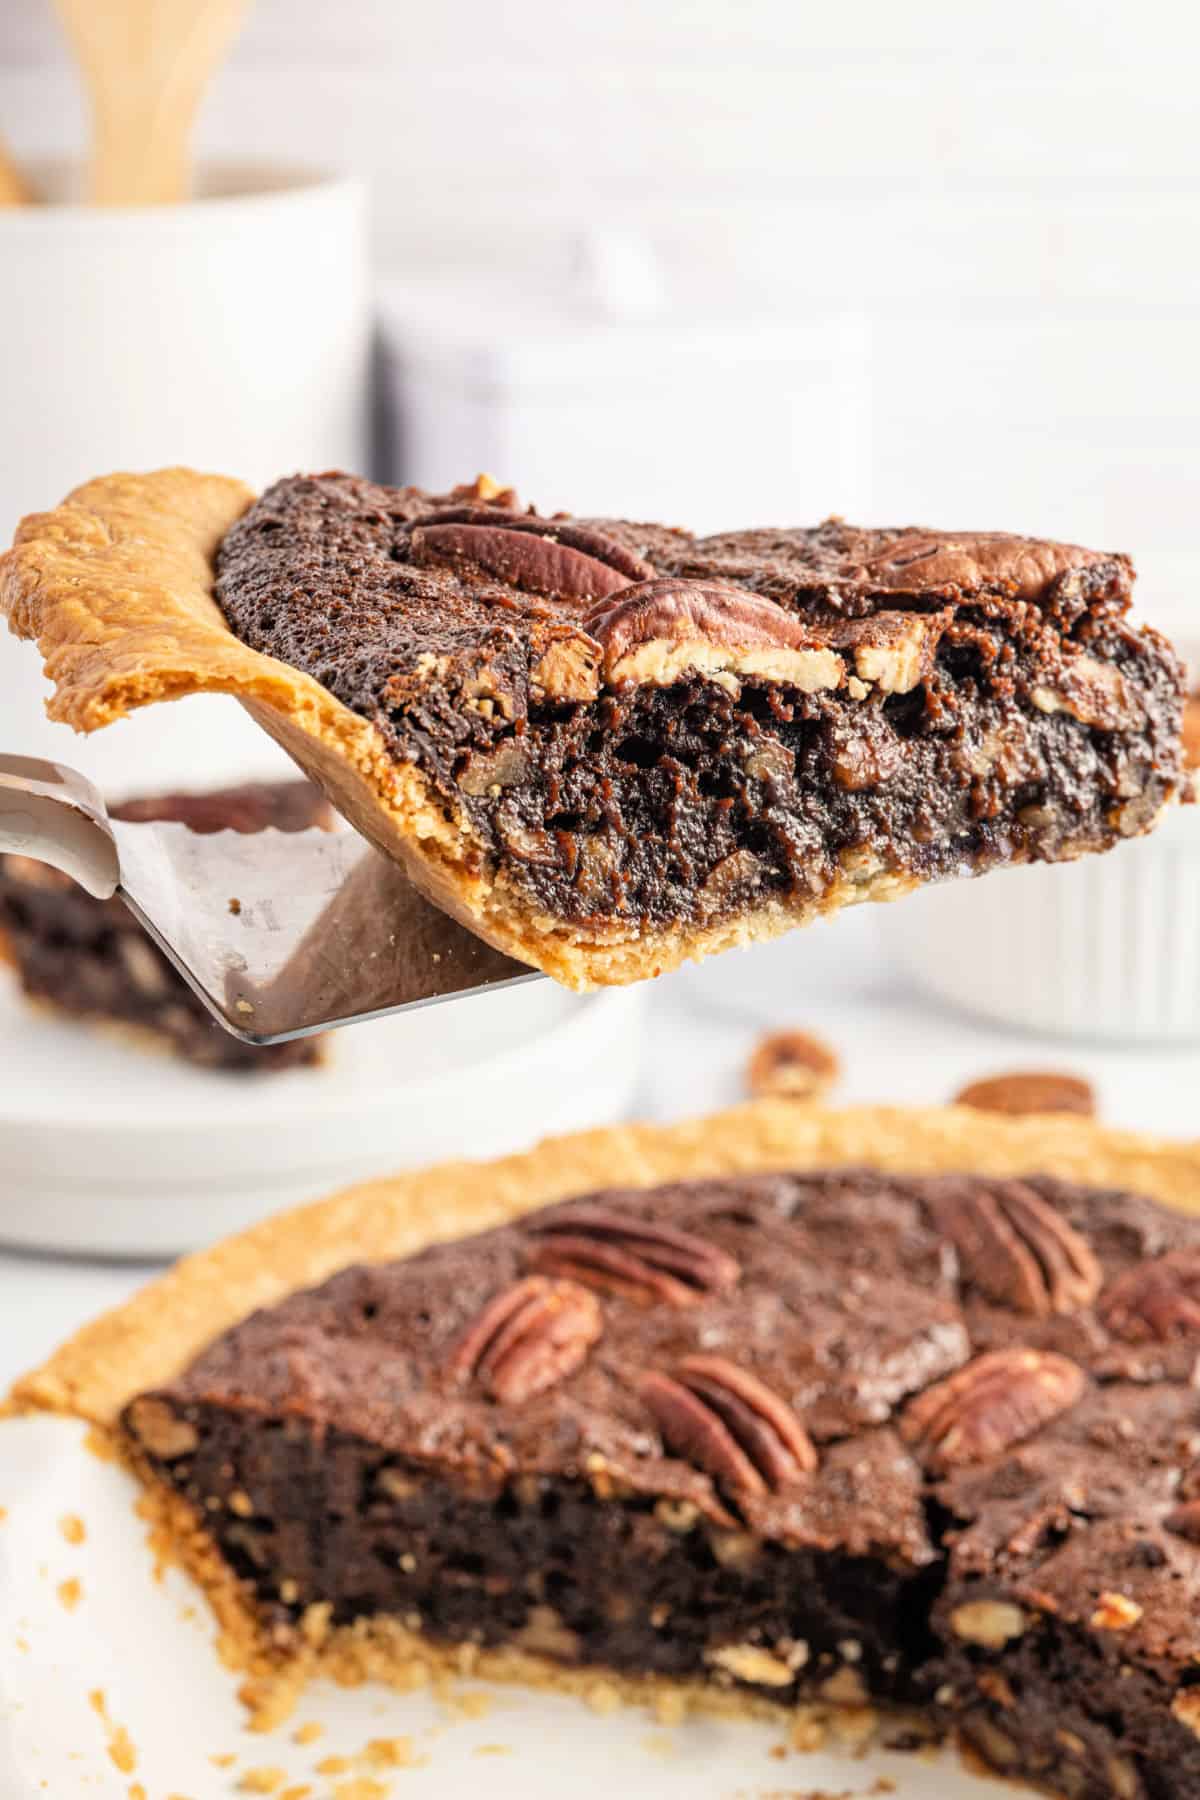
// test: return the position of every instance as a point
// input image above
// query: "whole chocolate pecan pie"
(609, 746)
(713, 1413)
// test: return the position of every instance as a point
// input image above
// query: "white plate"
(106, 1149)
(146, 1646)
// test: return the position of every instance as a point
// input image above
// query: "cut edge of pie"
(149, 1339)
(87, 964)
(116, 588)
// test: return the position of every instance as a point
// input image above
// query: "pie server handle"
(55, 815)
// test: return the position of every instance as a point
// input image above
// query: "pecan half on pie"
(825, 1436)
(90, 960)
(609, 746)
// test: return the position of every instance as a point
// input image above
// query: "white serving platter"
(105, 1149)
(123, 1665)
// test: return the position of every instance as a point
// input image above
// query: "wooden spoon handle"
(13, 188)
(146, 64)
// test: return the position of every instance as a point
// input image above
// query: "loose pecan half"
(1030, 1091)
(997, 1400)
(791, 1065)
(634, 1257)
(661, 630)
(1015, 1247)
(730, 1424)
(550, 557)
(529, 1337)
(1156, 1300)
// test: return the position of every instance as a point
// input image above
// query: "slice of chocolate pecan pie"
(90, 960)
(609, 746)
(835, 1435)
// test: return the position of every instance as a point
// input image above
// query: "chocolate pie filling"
(840, 1435)
(90, 959)
(644, 727)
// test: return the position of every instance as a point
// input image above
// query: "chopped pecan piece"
(861, 759)
(792, 1065)
(485, 487)
(991, 1623)
(529, 1337)
(548, 557)
(568, 668)
(894, 651)
(1115, 1612)
(659, 631)
(638, 1258)
(1015, 1247)
(997, 1400)
(486, 771)
(1095, 693)
(159, 1428)
(1030, 1091)
(1157, 1300)
(730, 1424)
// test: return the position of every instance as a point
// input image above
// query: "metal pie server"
(279, 933)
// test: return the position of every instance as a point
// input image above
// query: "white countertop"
(893, 1047)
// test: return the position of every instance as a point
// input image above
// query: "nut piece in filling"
(90, 960)
(610, 746)
(786, 1435)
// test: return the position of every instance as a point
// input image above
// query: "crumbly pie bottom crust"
(146, 1341)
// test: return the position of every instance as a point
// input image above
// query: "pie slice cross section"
(606, 746)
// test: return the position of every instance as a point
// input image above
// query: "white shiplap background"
(1008, 193)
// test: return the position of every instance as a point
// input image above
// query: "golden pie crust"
(146, 1342)
(116, 588)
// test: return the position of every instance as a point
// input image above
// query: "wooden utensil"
(13, 190)
(146, 64)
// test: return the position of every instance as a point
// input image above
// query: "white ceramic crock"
(230, 333)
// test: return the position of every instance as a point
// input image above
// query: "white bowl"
(1107, 948)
